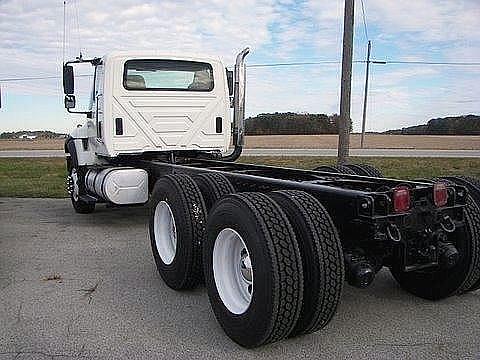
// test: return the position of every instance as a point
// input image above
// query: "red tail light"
(440, 194)
(401, 199)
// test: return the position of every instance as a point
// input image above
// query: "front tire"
(251, 240)
(74, 186)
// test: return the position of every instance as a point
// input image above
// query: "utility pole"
(365, 94)
(346, 86)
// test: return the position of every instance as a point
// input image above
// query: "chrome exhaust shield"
(238, 106)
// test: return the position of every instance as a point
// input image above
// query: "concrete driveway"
(85, 286)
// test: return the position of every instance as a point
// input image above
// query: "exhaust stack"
(238, 106)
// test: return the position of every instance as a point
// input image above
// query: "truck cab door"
(97, 136)
(97, 109)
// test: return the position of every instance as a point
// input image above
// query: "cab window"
(168, 75)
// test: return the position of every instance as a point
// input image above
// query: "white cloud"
(277, 30)
(428, 20)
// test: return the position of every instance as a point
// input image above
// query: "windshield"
(169, 75)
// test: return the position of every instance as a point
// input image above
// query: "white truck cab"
(150, 102)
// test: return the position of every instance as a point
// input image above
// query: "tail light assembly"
(401, 199)
(440, 194)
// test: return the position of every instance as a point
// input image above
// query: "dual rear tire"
(272, 263)
(352, 169)
(464, 277)
(269, 310)
(177, 230)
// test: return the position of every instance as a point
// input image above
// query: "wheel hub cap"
(74, 184)
(165, 232)
(233, 271)
(246, 266)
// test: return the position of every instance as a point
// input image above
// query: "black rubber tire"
(277, 269)
(365, 170)
(188, 208)
(473, 186)
(322, 258)
(82, 207)
(72, 160)
(474, 181)
(440, 284)
(213, 187)
(338, 169)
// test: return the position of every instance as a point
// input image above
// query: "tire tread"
(286, 263)
(328, 254)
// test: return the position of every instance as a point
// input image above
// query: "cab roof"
(124, 55)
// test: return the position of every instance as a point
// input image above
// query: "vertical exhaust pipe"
(238, 106)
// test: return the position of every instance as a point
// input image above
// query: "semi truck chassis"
(273, 246)
(350, 225)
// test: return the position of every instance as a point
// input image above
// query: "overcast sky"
(277, 31)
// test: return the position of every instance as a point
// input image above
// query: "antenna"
(64, 30)
(77, 22)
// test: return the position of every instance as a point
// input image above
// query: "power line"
(381, 62)
(364, 16)
(387, 62)
(38, 78)
(297, 63)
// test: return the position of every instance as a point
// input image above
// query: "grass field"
(37, 144)
(39, 177)
(372, 141)
(45, 177)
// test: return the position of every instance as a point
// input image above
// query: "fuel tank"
(118, 185)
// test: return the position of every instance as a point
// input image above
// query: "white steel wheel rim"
(233, 271)
(75, 190)
(165, 232)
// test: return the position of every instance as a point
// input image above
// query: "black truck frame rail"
(371, 230)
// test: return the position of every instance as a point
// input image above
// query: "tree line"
(41, 134)
(290, 123)
(452, 125)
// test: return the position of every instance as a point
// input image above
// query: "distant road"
(292, 152)
(364, 152)
(32, 153)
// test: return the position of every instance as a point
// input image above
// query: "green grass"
(400, 168)
(45, 177)
(32, 177)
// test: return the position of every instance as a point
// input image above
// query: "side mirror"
(230, 82)
(69, 101)
(68, 81)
